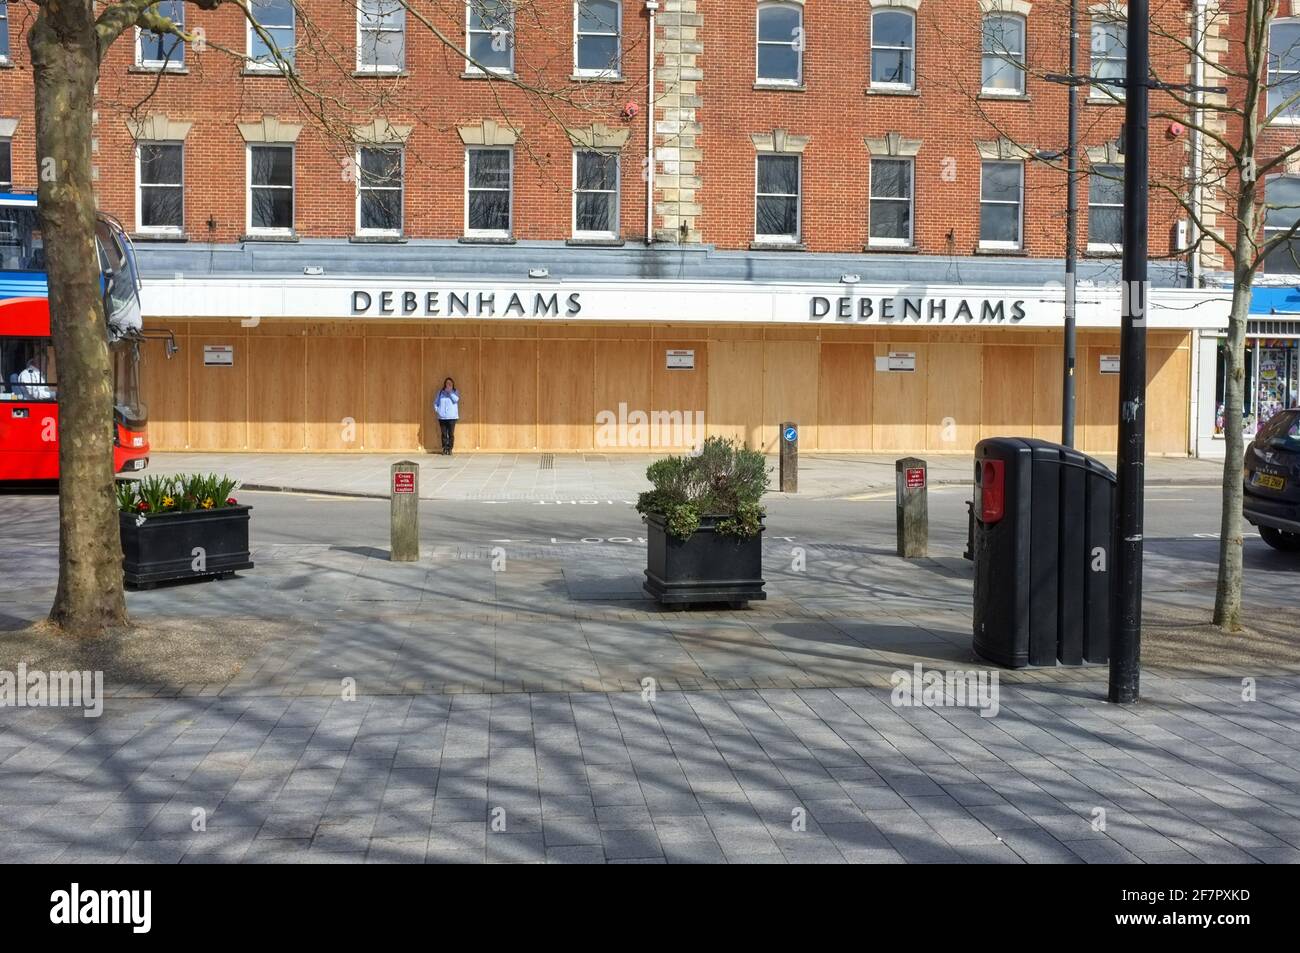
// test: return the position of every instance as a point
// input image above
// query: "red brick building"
(851, 224)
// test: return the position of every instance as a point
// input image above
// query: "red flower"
(142, 506)
(232, 502)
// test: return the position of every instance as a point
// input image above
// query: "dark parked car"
(1272, 475)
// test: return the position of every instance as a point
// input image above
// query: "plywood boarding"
(736, 391)
(1098, 413)
(1049, 384)
(277, 392)
(395, 394)
(899, 400)
(294, 385)
(954, 394)
(218, 395)
(165, 389)
(1008, 406)
(565, 378)
(508, 395)
(457, 358)
(622, 386)
(790, 392)
(335, 397)
(680, 391)
(1168, 384)
(844, 400)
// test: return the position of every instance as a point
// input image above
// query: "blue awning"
(1275, 299)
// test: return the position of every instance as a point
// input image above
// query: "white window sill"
(271, 69)
(597, 77)
(888, 243)
(1001, 247)
(363, 70)
(1094, 249)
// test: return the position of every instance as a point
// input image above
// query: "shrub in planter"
(181, 527)
(704, 521)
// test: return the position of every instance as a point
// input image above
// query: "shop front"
(630, 365)
(1272, 363)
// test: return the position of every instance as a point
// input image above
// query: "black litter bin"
(1042, 550)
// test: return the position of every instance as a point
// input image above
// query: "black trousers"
(448, 428)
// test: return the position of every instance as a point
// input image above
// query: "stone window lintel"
(1105, 154)
(892, 144)
(381, 132)
(1004, 150)
(598, 136)
(489, 132)
(270, 130)
(158, 128)
(779, 141)
(1019, 7)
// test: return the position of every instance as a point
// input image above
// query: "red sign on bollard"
(915, 479)
(403, 482)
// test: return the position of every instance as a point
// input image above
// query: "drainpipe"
(651, 6)
(1193, 229)
(1198, 119)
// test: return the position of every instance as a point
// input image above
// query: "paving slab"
(581, 476)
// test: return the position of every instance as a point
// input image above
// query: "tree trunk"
(1227, 597)
(65, 63)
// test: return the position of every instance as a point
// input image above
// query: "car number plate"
(1270, 481)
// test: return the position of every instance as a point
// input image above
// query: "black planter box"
(708, 567)
(160, 547)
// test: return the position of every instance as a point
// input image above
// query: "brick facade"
(708, 107)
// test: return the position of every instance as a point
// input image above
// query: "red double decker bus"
(29, 386)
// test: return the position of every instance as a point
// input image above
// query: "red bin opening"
(993, 491)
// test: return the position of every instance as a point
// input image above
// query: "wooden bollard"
(404, 492)
(912, 509)
(789, 458)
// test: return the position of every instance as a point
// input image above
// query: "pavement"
(576, 476)
(513, 696)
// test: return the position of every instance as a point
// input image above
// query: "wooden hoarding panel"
(790, 392)
(457, 358)
(846, 383)
(508, 395)
(565, 381)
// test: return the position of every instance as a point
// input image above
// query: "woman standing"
(447, 406)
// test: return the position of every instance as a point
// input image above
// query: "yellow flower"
(207, 503)
(168, 501)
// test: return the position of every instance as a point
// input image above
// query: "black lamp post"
(1126, 631)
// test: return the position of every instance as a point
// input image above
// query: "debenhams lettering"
(924, 310)
(467, 304)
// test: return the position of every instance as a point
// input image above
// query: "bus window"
(126, 383)
(22, 247)
(27, 369)
(121, 300)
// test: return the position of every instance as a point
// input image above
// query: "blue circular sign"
(791, 435)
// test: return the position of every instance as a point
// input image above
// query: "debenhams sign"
(621, 304)
(468, 304)
(921, 310)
